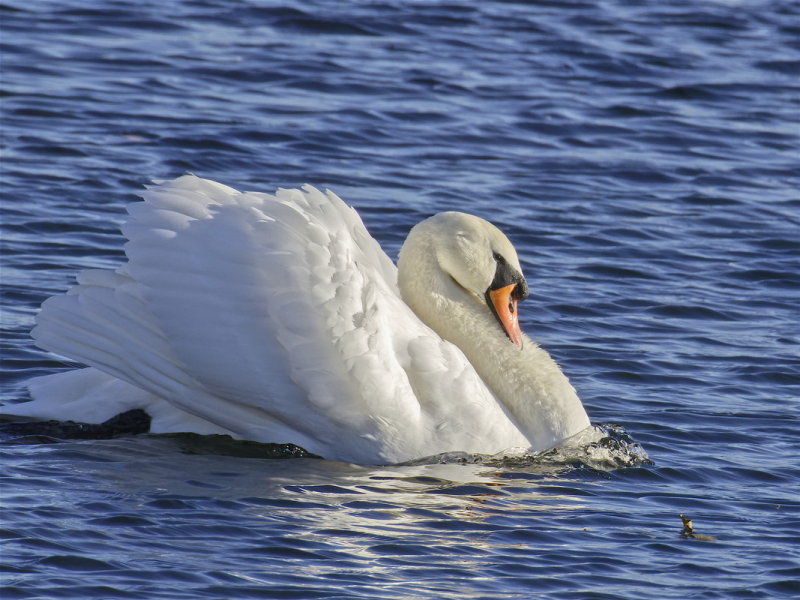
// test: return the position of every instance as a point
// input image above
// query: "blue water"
(643, 156)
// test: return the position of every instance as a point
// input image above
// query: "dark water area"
(644, 157)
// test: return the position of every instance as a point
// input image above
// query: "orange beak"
(504, 306)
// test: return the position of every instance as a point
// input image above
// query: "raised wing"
(275, 317)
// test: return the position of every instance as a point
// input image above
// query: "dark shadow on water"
(132, 422)
(225, 445)
(137, 422)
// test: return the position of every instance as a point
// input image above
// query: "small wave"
(603, 447)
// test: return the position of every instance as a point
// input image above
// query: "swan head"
(464, 258)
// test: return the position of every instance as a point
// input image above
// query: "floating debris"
(688, 530)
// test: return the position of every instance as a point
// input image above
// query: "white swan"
(277, 318)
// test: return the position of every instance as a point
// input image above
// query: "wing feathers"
(276, 318)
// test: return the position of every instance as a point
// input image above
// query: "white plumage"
(277, 318)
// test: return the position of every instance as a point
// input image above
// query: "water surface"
(643, 157)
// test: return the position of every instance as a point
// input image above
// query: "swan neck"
(527, 381)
